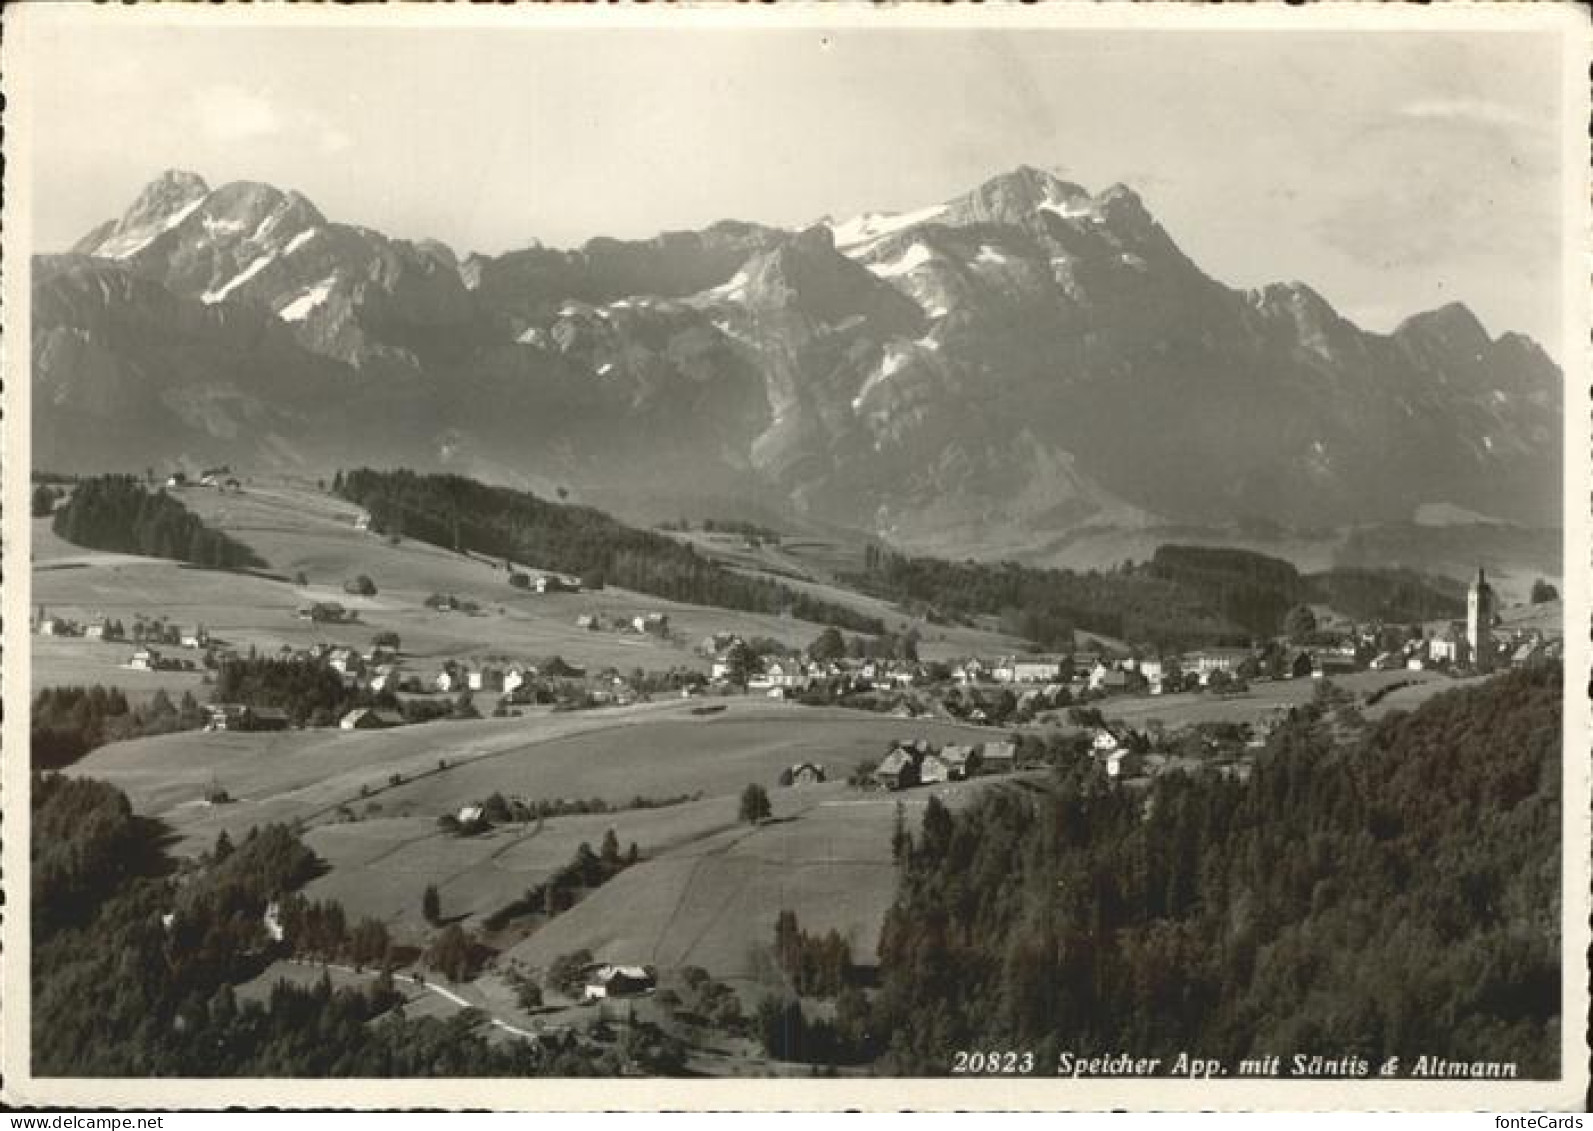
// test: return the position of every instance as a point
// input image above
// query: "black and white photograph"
(796, 557)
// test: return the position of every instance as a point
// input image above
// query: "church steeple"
(1480, 609)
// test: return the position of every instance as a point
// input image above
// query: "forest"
(118, 513)
(1184, 597)
(68, 722)
(463, 515)
(1372, 890)
(1048, 605)
(1256, 591)
(310, 690)
(135, 957)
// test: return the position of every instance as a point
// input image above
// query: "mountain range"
(1014, 365)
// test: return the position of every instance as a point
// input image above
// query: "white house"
(618, 981)
(486, 678)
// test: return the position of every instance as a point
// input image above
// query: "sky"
(1393, 171)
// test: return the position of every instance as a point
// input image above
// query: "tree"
(1542, 591)
(44, 497)
(609, 853)
(738, 664)
(829, 645)
(754, 805)
(528, 994)
(431, 904)
(1299, 623)
(362, 586)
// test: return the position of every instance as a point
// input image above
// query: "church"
(1480, 609)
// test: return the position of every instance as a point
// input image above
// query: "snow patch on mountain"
(855, 237)
(733, 290)
(215, 227)
(909, 261)
(895, 360)
(125, 244)
(249, 272)
(300, 240)
(307, 301)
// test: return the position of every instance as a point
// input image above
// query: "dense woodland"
(1257, 591)
(312, 692)
(118, 992)
(118, 513)
(68, 722)
(1185, 596)
(462, 514)
(1047, 605)
(1397, 894)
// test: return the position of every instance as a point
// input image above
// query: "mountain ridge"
(1025, 355)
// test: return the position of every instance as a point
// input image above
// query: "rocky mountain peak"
(1452, 327)
(1014, 197)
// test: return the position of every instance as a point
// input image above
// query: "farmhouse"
(807, 773)
(588, 621)
(898, 770)
(956, 758)
(935, 768)
(1451, 646)
(344, 661)
(451, 679)
(1204, 663)
(390, 677)
(195, 637)
(55, 626)
(145, 660)
(998, 757)
(651, 624)
(470, 814)
(556, 668)
(486, 679)
(972, 671)
(1108, 740)
(717, 642)
(1030, 669)
(237, 716)
(618, 981)
(1123, 764)
(96, 630)
(1103, 678)
(370, 718)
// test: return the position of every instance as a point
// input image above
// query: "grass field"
(1265, 699)
(615, 753)
(301, 531)
(707, 889)
(713, 902)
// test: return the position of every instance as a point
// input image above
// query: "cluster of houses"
(239, 716)
(639, 624)
(1451, 648)
(608, 980)
(781, 676)
(543, 582)
(221, 478)
(919, 762)
(144, 631)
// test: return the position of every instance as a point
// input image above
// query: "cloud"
(231, 113)
(334, 140)
(1469, 112)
